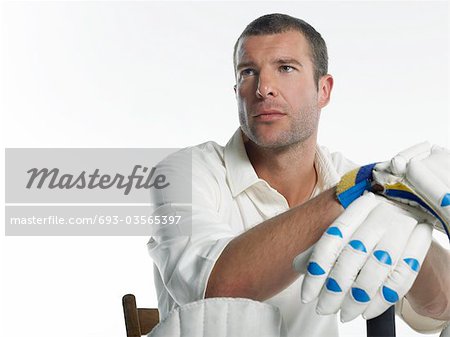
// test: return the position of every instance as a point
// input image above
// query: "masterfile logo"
(94, 192)
(84, 175)
(54, 179)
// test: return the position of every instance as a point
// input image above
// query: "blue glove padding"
(367, 260)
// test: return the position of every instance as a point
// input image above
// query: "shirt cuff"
(213, 256)
(419, 323)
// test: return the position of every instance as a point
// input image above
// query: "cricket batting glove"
(368, 258)
(418, 176)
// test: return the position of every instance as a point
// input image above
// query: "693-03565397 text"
(98, 219)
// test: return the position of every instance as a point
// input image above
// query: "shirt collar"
(241, 174)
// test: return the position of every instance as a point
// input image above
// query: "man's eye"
(287, 69)
(247, 72)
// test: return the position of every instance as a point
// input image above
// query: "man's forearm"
(430, 294)
(258, 263)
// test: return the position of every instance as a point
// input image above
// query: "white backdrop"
(159, 74)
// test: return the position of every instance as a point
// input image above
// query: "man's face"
(277, 97)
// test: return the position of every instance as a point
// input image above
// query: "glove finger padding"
(351, 260)
(365, 263)
(399, 163)
(383, 263)
(371, 248)
(401, 279)
(331, 243)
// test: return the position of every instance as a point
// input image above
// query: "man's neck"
(290, 170)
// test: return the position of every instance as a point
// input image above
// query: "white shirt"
(228, 198)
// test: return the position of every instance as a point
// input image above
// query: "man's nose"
(266, 86)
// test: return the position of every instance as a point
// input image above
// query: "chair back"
(138, 321)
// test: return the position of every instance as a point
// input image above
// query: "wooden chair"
(138, 321)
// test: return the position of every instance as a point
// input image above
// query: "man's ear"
(325, 86)
(234, 88)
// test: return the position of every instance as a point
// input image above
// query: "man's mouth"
(268, 115)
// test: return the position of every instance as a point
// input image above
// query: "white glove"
(418, 176)
(368, 259)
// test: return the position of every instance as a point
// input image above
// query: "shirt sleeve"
(185, 253)
(419, 323)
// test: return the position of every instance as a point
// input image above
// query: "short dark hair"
(280, 23)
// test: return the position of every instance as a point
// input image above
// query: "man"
(270, 194)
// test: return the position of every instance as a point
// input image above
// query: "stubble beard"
(302, 126)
